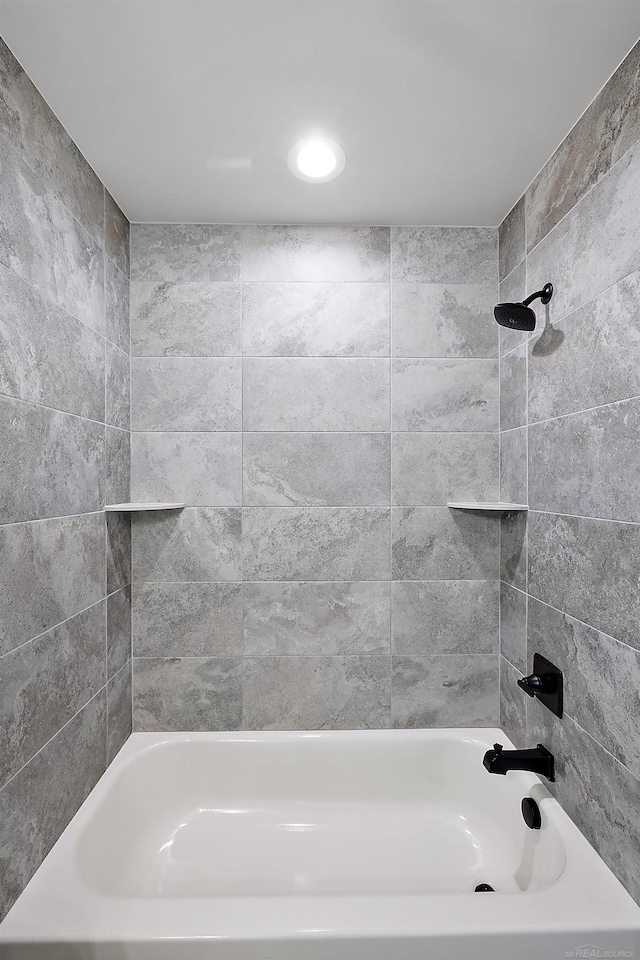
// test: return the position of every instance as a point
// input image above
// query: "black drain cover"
(484, 888)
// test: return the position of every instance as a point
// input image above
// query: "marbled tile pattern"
(444, 320)
(607, 702)
(511, 239)
(445, 395)
(513, 626)
(431, 468)
(316, 469)
(202, 469)
(587, 463)
(443, 255)
(291, 571)
(569, 440)
(435, 543)
(192, 251)
(591, 357)
(303, 619)
(171, 393)
(315, 693)
(187, 619)
(39, 802)
(315, 319)
(445, 691)
(45, 682)
(320, 394)
(52, 464)
(597, 243)
(51, 569)
(195, 693)
(196, 544)
(445, 617)
(170, 319)
(316, 543)
(328, 254)
(601, 136)
(46, 355)
(64, 432)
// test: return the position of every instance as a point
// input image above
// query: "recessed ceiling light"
(316, 160)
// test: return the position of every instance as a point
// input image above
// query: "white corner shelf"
(140, 507)
(496, 507)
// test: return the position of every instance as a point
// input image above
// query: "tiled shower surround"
(315, 395)
(65, 669)
(570, 422)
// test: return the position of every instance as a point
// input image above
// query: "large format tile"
(445, 395)
(171, 319)
(52, 464)
(50, 569)
(31, 127)
(604, 132)
(445, 616)
(302, 619)
(513, 389)
(45, 682)
(592, 357)
(118, 544)
(116, 234)
(513, 465)
(316, 469)
(511, 239)
(444, 254)
(588, 568)
(200, 469)
(513, 626)
(196, 544)
(187, 620)
(587, 463)
(119, 713)
(116, 306)
(185, 251)
(46, 355)
(44, 244)
(320, 394)
(187, 694)
(172, 393)
(513, 548)
(600, 795)
(513, 289)
(315, 319)
(435, 543)
(444, 320)
(118, 630)
(595, 245)
(513, 711)
(431, 468)
(316, 543)
(323, 253)
(316, 693)
(117, 465)
(602, 679)
(39, 802)
(117, 387)
(445, 691)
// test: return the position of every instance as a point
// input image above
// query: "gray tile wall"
(570, 413)
(315, 395)
(65, 639)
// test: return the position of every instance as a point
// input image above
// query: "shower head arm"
(543, 295)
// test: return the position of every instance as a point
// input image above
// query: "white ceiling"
(446, 110)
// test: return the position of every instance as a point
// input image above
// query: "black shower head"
(520, 316)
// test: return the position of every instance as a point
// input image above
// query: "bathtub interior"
(310, 815)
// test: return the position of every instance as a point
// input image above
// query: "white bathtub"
(306, 846)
